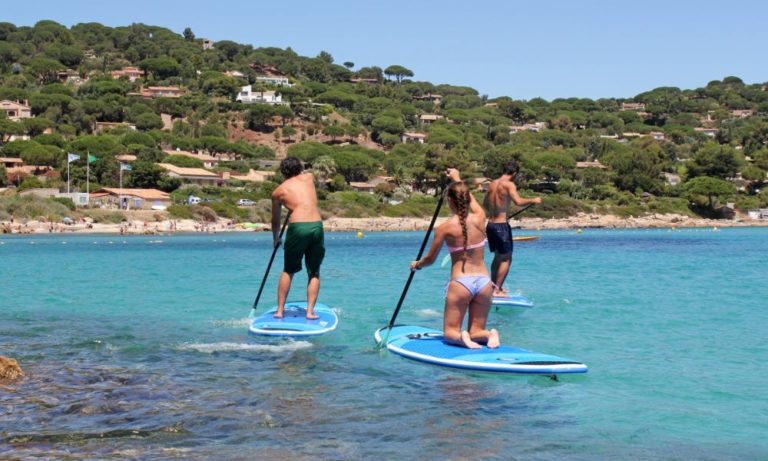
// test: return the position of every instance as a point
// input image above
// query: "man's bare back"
(502, 192)
(299, 196)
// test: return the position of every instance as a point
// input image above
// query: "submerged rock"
(9, 369)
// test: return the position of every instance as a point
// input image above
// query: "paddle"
(412, 273)
(269, 266)
(519, 211)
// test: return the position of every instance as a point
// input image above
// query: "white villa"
(248, 96)
(279, 80)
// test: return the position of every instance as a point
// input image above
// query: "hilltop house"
(435, 98)
(16, 110)
(208, 161)
(234, 74)
(414, 137)
(633, 106)
(98, 127)
(535, 127)
(279, 80)
(253, 176)
(248, 96)
(131, 73)
(368, 81)
(159, 92)
(428, 119)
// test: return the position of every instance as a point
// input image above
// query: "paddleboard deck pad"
(513, 300)
(295, 322)
(426, 345)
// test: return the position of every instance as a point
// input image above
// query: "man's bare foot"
(312, 316)
(278, 314)
(493, 339)
(467, 341)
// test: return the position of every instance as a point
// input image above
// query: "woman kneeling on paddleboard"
(470, 287)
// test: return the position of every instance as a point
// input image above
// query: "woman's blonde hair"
(458, 194)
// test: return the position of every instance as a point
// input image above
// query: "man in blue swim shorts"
(304, 238)
(501, 192)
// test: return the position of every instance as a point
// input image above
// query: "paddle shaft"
(271, 259)
(519, 211)
(421, 252)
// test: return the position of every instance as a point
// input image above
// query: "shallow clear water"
(137, 348)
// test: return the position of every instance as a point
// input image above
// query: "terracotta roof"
(188, 171)
(201, 157)
(146, 194)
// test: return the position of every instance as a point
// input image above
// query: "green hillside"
(665, 150)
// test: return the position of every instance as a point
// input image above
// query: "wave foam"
(209, 348)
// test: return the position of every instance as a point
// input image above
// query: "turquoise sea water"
(137, 348)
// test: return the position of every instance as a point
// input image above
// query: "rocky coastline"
(375, 224)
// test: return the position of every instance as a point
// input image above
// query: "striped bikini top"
(469, 247)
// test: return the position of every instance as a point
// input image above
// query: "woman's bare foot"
(493, 339)
(500, 293)
(467, 341)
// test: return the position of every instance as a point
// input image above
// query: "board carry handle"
(271, 259)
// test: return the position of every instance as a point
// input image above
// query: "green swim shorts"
(304, 240)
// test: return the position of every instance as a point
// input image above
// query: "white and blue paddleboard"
(426, 345)
(295, 322)
(513, 300)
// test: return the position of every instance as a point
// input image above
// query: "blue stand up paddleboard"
(295, 322)
(426, 345)
(513, 300)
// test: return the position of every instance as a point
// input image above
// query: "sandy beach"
(378, 224)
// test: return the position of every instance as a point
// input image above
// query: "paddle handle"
(519, 211)
(271, 259)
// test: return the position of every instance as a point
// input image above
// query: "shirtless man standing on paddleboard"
(501, 192)
(304, 237)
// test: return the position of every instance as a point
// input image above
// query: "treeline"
(686, 149)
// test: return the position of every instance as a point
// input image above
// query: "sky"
(521, 49)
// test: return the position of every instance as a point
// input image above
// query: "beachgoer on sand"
(304, 238)
(501, 192)
(470, 288)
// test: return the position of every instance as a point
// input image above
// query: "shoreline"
(378, 224)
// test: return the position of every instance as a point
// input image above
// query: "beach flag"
(91, 158)
(72, 157)
(125, 167)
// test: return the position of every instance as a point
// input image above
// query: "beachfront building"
(208, 161)
(16, 110)
(131, 73)
(197, 176)
(138, 199)
(414, 137)
(248, 96)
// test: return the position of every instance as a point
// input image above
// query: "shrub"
(180, 212)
